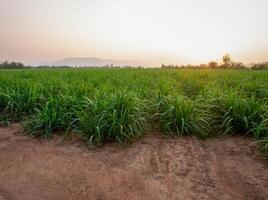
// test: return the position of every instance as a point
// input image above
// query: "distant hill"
(92, 61)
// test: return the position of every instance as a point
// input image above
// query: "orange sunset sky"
(150, 31)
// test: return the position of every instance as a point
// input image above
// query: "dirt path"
(154, 168)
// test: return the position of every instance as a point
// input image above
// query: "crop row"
(106, 105)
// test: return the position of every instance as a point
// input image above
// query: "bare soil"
(151, 169)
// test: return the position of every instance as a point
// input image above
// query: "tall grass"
(263, 145)
(243, 115)
(59, 113)
(18, 102)
(119, 117)
(182, 116)
(116, 105)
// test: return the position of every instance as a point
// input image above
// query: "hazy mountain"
(92, 61)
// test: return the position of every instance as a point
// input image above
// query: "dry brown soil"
(153, 168)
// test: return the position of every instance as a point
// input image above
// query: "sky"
(150, 31)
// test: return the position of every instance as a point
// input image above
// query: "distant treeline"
(260, 66)
(215, 65)
(11, 65)
(84, 67)
(227, 63)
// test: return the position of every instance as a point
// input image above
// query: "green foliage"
(118, 118)
(17, 102)
(116, 105)
(58, 114)
(263, 145)
(243, 115)
(182, 116)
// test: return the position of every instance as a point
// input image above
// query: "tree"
(260, 66)
(226, 59)
(238, 65)
(12, 65)
(212, 65)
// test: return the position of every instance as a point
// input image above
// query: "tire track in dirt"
(162, 165)
(231, 167)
